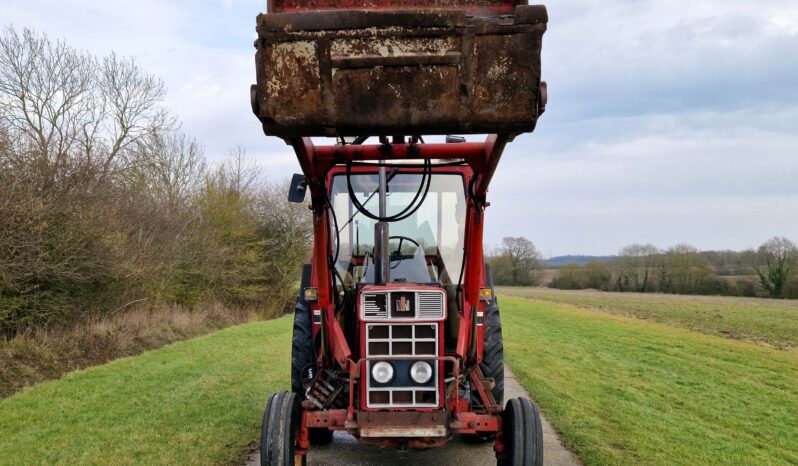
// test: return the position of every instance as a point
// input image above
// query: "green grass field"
(194, 402)
(765, 321)
(628, 391)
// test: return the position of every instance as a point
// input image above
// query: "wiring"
(333, 258)
(412, 207)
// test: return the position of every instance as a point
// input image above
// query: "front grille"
(430, 305)
(403, 305)
(394, 341)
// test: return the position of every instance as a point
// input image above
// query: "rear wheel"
(303, 355)
(303, 364)
(493, 354)
(281, 424)
(522, 433)
(492, 364)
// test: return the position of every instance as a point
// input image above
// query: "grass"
(620, 390)
(626, 391)
(193, 402)
(45, 354)
(763, 321)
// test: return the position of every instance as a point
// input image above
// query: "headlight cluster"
(420, 372)
(382, 372)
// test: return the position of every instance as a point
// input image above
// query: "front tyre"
(522, 433)
(281, 423)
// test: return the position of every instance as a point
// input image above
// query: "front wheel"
(522, 433)
(278, 436)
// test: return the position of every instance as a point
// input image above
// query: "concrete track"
(344, 450)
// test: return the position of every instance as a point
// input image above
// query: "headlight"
(382, 372)
(421, 372)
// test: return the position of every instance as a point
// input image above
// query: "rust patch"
(505, 89)
(291, 81)
(394, 46)
(402, 424)
(400, 72)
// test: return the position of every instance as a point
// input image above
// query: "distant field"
(625, 391)
(764, 321)
(193, 402)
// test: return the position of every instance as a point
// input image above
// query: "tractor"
(397, 334)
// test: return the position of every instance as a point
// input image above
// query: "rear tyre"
(303, 355)
(492, 364)
(278, 436)
(493, 355)
(522, 433)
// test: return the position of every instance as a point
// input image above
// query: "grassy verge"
(625, 391)
(47, 354)
(764, 321)
(193, 402)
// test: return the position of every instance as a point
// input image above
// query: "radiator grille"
(430, 305)
(395, 341)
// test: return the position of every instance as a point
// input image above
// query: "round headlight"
(421, 372)
(382, 372)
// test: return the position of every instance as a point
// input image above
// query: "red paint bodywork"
(320, 164)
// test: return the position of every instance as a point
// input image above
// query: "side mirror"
(296, 192)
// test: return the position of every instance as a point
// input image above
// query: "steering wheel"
(401, 239)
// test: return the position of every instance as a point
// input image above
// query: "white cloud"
(668, 120)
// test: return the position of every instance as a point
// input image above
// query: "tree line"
(769, 271)
(105, 203)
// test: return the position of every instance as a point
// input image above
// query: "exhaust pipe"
(382, 260)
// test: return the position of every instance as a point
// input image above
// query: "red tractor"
(397, 333)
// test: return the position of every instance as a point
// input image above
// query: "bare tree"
(597, 275)
(238, 172)
(683, 270)
(45, 91)
(170, 166)
(133, 100)
(64, 103)
(779, 256)
(516, 262)
(636, 266)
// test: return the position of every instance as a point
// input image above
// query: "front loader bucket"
(386, 72)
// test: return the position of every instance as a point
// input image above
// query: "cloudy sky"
(668, 120)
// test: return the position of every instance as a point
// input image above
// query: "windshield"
(426, 247)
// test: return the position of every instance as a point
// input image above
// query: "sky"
(668, 121)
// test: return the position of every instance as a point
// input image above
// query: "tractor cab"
(425, 242)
